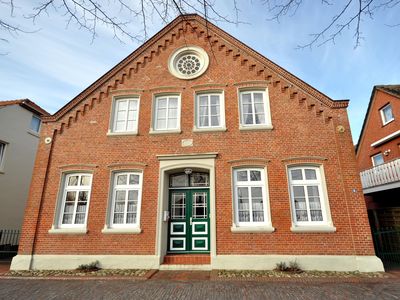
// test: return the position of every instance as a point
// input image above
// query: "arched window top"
(195, 179)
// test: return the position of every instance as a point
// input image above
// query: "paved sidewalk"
(200, 289)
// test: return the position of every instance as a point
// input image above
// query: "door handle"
(191, 221)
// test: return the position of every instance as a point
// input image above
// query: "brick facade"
(306, 129)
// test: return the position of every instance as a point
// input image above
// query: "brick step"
(187, 259)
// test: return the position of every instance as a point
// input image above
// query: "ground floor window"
(250, 196)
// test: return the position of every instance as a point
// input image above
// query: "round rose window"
(188, 62)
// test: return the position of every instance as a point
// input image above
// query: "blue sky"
(54, 64)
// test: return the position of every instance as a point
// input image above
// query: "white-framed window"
(307, 193)
(210, 111)
(386, 114)
(35, 124)
(377, 159)
(167, 113)
(250, 197)
(126, 199)
(254, 108)
(75, 200)
(2, 154)
(125, 115)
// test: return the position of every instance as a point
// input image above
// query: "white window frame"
(113, 120)
(317, 226)
(373, 159)
(261, 226)
(127, 187)
(267, 111)
(40, 124)
(77, 189)
(384, 121)
(154, 129)
(2, 155)
(222, 125)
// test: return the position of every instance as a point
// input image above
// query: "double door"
(189, 223)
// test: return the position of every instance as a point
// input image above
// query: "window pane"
(131, 115)
(260, 118)
(80, 218)
(118, 218)
(172, 123)
(119, 207)
(131, 206)
(215, 110)
(298, 191)
(258, 210)
(162, 103)
(130, 126)
(203, 100)
(310, 174)
(173, 113)
(316, 215)
(120, 126)
(258, 97)
(203, 121)
(133, 104)
(256, 192)
(67, 219)
(200, 205)
(121, 116)
(120, 195)
(131, 218)
(199, 179)
(203, 111)
(73, 180)
(161, 113)
(121, 179)
(241, 176)
(296, 174)
(133, 195)
(248, 118)
(301, 215)
(214, 100)
(81, 207)
(122, 105)
(378, 159)
(134, 179)
(215, 121)
(255, 176)
(70, 197)
(243, 204)
(161, 124)
(178, 206)
(312, 191)
(173, 103)
(179, 180)
(388, 114)
(246, 99)
(85, 180)
(83, 196)
(69, 207)
(35, 124)
(259, 108)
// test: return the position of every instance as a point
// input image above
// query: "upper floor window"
(35, 123)
(126, 199)
(307, 196)
(377, 159)
(387, 114)
(167, 113)
(210, 111)
(2, 152)
(125, 115)
(75, 200)
(250, 197)
(254, 108)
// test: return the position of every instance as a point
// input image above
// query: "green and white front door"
(189, 224)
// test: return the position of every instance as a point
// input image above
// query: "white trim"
(200, 239)
(178, 233)
(153, 127)
(306, 262)
(163, 157)
(252, 229)
(199, 232)
(384, 121)
(107, 230)
(71, 262)
(263, 183)
(209, 93)
(320, 182)
(3, 155)
(113, 119)
(197, 51)
(386, 138)
(171, 240)
(54, 230)
(127, 187)
(77, 189)
(267, 125)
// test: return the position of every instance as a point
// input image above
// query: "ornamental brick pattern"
(305, 130)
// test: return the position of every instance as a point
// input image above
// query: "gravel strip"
(76, 273)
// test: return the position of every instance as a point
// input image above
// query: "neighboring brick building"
(378, 156)
(196, 149)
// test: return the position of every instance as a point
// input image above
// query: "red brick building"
(378, 156)
(197, 150)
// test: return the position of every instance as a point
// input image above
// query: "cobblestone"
(200, 289)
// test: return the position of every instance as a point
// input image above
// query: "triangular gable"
(393, 90)
(291, 79)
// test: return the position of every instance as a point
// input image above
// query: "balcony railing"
(381, 175)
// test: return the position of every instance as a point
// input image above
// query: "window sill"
(34, 133)
(110, 133)
(155, 132)
(210, 129)
(68, 231)
(256, 127)
(315, 228)
(388, 122)
(107, 230)
(252, 229)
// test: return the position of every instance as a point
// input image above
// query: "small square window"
(35, 124)
(387, 114)
(2, 152)
(377, 159)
